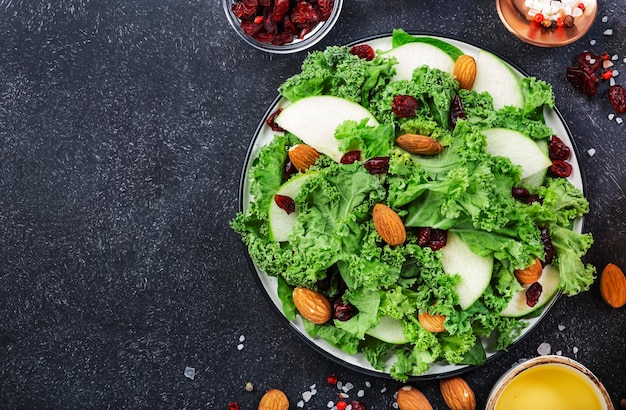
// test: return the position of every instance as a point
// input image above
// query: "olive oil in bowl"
(549, 383)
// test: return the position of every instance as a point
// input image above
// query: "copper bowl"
(513, 15)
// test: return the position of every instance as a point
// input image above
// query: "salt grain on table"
(608, 32)
(591, 152)
(605, 19)
(190, 372)
(544, 349)
(619, 120)
(562, 327)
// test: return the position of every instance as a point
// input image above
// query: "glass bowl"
(310, 39)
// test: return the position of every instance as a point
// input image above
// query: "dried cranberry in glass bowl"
(282, 26)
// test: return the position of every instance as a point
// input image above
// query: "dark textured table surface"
(124, 125)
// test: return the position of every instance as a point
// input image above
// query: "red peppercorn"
(332, 379)
(341, 405)
(559, 22)
(232, 406)
(604, 55)
(539, 18)
(581, 6)
(607, 74)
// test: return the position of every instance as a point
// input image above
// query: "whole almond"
(388, 225)
(465, 71)
(274, 399)
(531, 274)
(457, 394)
(613, 286)
(432, 323)
(419, 144)
(313, 306)
(303, 156)
(410, 398)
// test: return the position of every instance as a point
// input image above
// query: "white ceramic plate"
(269, 284)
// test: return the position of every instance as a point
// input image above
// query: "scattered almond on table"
(274, 399)
(457, 394)
(613, 286)
(410, 398)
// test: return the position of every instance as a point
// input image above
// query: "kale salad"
(486, 204)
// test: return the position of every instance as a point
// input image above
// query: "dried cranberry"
(281, 7)
(377, 165)
(438, 239)
(520, 193)
(532, 198)
(357, 405)
(588, 61)
(351, 157)
(561, 169)
(304, 16)
(557, 149)
(583, 80)
(617, 97)
(285, 203)
(423, 236)
(342, 310)
(250, 27)
(271, 121)
(290, 170)
(456, 111)
(404, 106)
(364, 51)
(325, 9)
(533, 293)
(548, 247)
(245, 9)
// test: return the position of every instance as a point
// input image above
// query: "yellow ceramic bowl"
(549, 383)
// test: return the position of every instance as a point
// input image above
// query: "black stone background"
(124, 125)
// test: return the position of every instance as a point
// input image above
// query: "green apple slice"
(519, 148)
(498, 79)
(281, 223)
(549, 282)
(536, 180)
(475, 270)
(413, 55)
(388, 330)
(314, 120)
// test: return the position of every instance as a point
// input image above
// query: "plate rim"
(307, 339)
